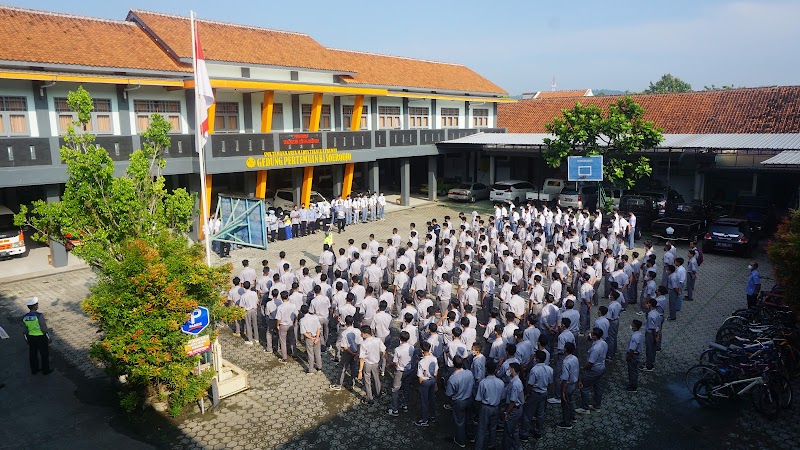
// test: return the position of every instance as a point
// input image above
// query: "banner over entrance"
(308, 157)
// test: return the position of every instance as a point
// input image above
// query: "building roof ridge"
(394, 56)
(65, 15)
(217, 22)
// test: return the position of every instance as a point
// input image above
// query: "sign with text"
(197, 345)
(299, 141)
(197, 322)
(308, 157)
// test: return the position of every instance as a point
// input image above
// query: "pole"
(200, 149)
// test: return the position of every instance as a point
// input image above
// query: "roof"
(227, 42)
(696, 141)
(751, 110)
(45, 38)
(785, 158)
(558, 94)
(384, 70)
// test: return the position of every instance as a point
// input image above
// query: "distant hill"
(607, 92)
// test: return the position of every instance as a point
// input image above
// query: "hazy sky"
(522, 44)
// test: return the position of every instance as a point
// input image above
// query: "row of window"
(14, 122)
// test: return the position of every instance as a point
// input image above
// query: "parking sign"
(198, 321)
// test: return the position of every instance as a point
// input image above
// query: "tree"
(616, 135)
(714, 87)
(150, 276)
(784, 253)
(668, 83)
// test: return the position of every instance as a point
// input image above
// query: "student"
(427, 372)
(673, 285)
(349, 342)
(635, 348)
(651, 337)
(585, 311)
(477, 366)
(569, 379)
(565, 337)
(311, 329)
(459, 389)
(403, 372)
(691, 275)
(540, 377)
(595, 368)
(515, 400)
(371, 351)
(614, 309)
(489, 395)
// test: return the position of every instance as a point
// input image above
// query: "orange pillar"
(261, 184)
(305, 193)
(358, 110)
(205, 209)
(347, 183)
(212, 114)
(266, 111)
(316, 112)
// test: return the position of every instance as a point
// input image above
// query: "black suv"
(758, 210)
(664, 197)
(730, 235)
(644, 208)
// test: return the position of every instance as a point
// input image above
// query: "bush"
(784, 253)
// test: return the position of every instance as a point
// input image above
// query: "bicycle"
(770, 391)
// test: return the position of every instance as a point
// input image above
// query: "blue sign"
(585, 168)
(197, 322)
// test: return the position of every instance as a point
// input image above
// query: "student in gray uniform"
(540, 377)
(371, 351)
(349, 342)
(651, 337)
(635, 348)
(459, 389)
(311, 329)
(403, 373)
(515, 400)
(568, 379)
(593, 371)
(427, 373)
(490, 393)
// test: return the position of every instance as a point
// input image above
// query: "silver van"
(584, 196)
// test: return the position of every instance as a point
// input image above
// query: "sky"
(522, 44)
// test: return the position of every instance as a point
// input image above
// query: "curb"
(44, 273)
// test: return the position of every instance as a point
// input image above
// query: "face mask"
(749, 266)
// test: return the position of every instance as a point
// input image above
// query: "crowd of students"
(489, 311)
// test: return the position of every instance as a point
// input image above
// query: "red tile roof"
(238, 43)
(748, 110)
(561, 94)
(39, 37)
(385, 70)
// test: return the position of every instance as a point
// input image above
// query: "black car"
(758, 210)
(664, 197)
(730, 235)
(643, 207)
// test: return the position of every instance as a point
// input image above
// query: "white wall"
(17, 88)
(315, 77)
(285, 100)
(462, 119)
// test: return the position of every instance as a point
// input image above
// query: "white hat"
(33, 301)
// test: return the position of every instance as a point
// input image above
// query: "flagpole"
(201, 151)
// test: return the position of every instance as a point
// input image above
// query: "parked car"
(730, 235)
(665, 197)
(12, 237)
(644, 208)
(677, 228)
(614, 194)
(443, 186)
(707, 213)
(549, 192)
(469, 192)
(584, 196)
(284, 199)
(510, 191)
(758, 210)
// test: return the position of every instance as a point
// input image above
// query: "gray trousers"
(347, 361)
(271, 325)
(533, 410)
(285, 340)
(613, 333)
(650, 348)
(691, 278)
(633, 371)
(584, 311)
(460, 418)
(314, 352)
(558, 360)
(427, 397)
(443, 304)
(511, 434)
(592, 384)
(400, 386)
(325, 330)
(673, 303)
(487, 426)
(372, 378)
(567, 407)
(251, 324)
(596, 296)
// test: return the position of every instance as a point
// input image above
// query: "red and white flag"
(204, 96)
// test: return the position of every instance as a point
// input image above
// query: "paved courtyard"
(75, 406)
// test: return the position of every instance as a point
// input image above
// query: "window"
(170, 109)
(324, 118)
(449, 117)
(388, 117)
(418, 117)
(480, 118)
(13, 116)
(100, 122)
(226, 117)
(347, 117)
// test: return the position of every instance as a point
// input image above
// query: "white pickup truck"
(549, 192)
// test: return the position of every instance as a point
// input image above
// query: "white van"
(284, 199)
(12, 239)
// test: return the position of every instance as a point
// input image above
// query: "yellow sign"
(299, 158)
(197, 345)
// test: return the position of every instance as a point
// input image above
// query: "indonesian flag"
(204, 96)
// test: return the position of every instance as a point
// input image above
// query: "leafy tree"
(150, 275)
(783, 252)
(714, 87)
(616, 135)
(668, 83)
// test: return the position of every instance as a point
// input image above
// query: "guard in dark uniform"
(38, 337)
